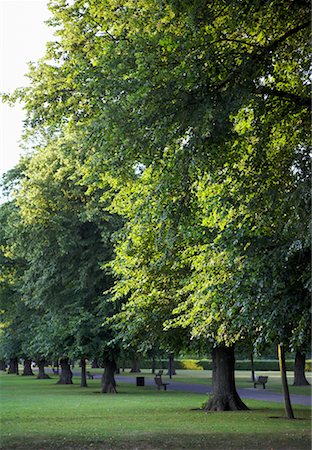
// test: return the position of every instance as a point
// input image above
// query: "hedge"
(206, 364)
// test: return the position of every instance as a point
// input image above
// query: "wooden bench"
(160, 383)
(90, 376)
(260, 380)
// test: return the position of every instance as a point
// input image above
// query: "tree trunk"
(41, 373)
(153, 364)
(108, 377)
(27, 368)
(56, 368)
(3, 365)
(135, 366)
(171, 368)
(299, 372)
(66, 374)
(83, 382)
(282, 364)
(253, 378)
(95, 364)
(13, 366)
(225, 396)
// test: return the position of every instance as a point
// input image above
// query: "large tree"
(202, 108)
(64, 239)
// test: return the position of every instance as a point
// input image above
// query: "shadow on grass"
(161, 441)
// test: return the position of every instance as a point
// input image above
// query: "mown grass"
(40, 414)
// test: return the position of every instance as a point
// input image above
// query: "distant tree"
(299, 369)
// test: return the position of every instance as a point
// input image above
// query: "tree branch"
(283, 94)
(263, 51)
(224, 38)
(288, 33)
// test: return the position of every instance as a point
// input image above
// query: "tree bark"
(108, 377)
(27, 368)
(83, 382)
(135, 366)
(225, 396)
(252, 367)
(3, 365)
(171, 368)
(13, 366)
(282, 364)
(66, 374)
(299, 370)
(41, 373)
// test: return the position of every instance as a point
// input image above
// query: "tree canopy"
(189, 121)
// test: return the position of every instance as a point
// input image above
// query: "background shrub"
(206, 364)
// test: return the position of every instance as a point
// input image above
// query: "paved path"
(251, 393)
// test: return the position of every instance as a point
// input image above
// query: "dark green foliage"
(191, 122)
(63, 243)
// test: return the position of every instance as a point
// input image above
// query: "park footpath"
(249, 393)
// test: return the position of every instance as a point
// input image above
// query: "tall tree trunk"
(13, 366)
(27, 368)
(171, 368)
(299, 370)
(41, 373)
(83, 382)
(225, 396)
(108, 377)
(66, 376)
(135, 366)
(3, 365)
(282, 365)
(253, 378)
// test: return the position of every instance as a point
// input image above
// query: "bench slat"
(261, 380)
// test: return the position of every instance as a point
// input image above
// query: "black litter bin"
(140, 381)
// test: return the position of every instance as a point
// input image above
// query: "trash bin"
(140, 381)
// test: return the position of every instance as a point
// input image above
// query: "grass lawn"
(41, 415)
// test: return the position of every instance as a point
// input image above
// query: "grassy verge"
(42, 415)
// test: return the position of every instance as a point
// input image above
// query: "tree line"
(165, 202)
